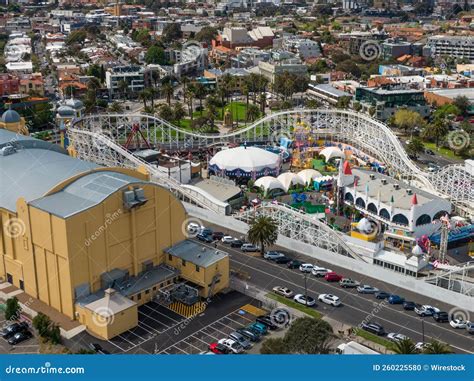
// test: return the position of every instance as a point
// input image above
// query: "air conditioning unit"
(372, 176)
(129, 199)
(140, 195)
(384, 181)
(409, 191)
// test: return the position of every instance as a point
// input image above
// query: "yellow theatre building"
(95, 243)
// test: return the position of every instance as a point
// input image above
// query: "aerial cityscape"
(237, 177)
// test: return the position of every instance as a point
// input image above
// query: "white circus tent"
(288, 179)
(332, 152)
(268, 183)
(308, 175)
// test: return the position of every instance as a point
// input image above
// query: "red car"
(333, 277)
(218, 349)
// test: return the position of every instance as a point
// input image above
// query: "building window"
(161, 285)
(170, 257)
(183, 262)
(9, 278)
(147, 292)
(154, 288)
(139, 296)
(22, 285)
(197, 268)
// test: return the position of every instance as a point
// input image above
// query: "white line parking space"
(199, 341)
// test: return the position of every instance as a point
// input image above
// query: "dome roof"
(247, 159)
(332, 152)
(308, 175)
(74, 103)
(268, 183)
(66, 111)
(417, 250)
(11, 116)
(364, 225)
(288, 179)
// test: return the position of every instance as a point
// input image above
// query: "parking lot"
(153, 320)
(30, 346)
(199, 341)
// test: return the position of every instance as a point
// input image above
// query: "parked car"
(309, 301)
(218, 348)
(366, 289)
(282, 260)
(204, 238)
(409, 306)
(283, 291)
(241, 339)
(392, 336)
(458, 323)
(382, 295)
(320, 271)
(429, 152)
(267, 320)
(294, 264)
(236, 243)
(306, 267)
(441, 317)
(206, 231)
(194, 228)
(14, 328)
(373, 328)
(217, 236)
(98, 348)
(395, 299)
(348, 283)
(470, 327)
(227, 239)
(330, 299)
(425, 310)
(233, 346)
(253, 336)
(273, 255)
(420, 346)
(259, 327)
(333, 277)
(20, 337)
(249, 248)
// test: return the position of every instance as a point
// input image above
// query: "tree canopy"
(155, 55)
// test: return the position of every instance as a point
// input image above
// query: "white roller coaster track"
(358, 130)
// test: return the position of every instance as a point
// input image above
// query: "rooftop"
(196, 253)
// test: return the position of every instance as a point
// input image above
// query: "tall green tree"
(462, 103)
(200, 93)
(166, 113)
(178, 112)
(252, 113)
(263, 231)
(12, 309)
(155, 55)
(407, 120)
(435, 347)
(123, 88)
(168, 92)
(435, 131)
(415, 146)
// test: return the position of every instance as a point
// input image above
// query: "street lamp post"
(305, 288)
(423, 330)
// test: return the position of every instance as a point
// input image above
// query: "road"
(356, 307)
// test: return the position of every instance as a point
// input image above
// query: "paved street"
(356, 307)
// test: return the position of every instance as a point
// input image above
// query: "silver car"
(241, 339)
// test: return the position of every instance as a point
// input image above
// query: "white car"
(392, 336)
(227, 239)
(458, 323)
(306, 267)
(283, 291)
(426, 310)
(273, 255)
(232, 345)
(320, 271)
(420, 346)
(330, 299)
(366, 289)
(300, 298)
(194, 228)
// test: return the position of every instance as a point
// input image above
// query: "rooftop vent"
(396, 186)
(134, 198)
(372, 176)
(384, 181)
(409, 191)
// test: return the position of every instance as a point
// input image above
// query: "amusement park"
(344, 172)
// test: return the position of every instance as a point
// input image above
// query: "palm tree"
(200, 93)
(404, 347)
(190, 98)
(152, 92)
(144, 96)
(436, 130)
(168, 92)
(263, 231)
(123, 88)
(246, 92)
(252, 113)
(263, 102)
(435, 347)
(93, 84)
(178, 112)
(116, 107)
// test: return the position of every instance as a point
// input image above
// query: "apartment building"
(133, 76)
(454, 46)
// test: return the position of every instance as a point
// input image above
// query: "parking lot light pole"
(306, 288)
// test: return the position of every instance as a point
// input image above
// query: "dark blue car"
(395, 299)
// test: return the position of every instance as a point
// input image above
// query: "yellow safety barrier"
(255, 311)
(187, 311)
